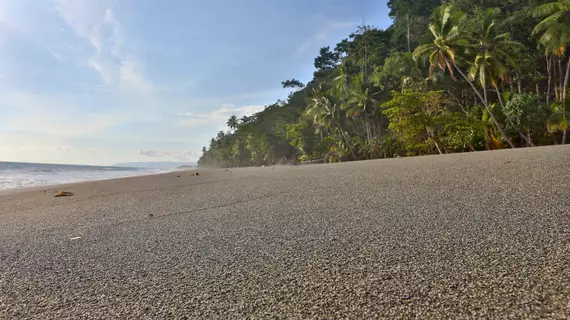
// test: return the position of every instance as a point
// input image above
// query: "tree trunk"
(549, 70)
(561, 80)
(437, 146)
(346, 139)
(409, 38)
(436, 141)
(367, 125)
(500, 97)
(566, 76)
(487, 138)
(529, 138)
(564, 91)
(553, 65)
(458, 102)
(491, 114)
(525, 138)
(511, 86)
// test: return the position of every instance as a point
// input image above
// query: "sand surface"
(463, 236)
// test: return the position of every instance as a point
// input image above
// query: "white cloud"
(96, 22)
(218, 117)
(33, 147)
(130, 74)
(30, 143)
(57, 115)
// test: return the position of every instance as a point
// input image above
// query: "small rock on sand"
(63, 194)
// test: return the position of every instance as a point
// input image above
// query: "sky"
(106, 81)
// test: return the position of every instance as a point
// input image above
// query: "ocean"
(15, 175)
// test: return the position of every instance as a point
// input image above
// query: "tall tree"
(232, 122)
(554, 31)
(493, 52)
(362, 99)
(449, 40)
(410, 17)
(327, 59)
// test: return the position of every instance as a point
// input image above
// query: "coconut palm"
(554, 31)
(449, 40)
(492, 53)
(342, 81)
(362, 99)
(232, 122)
(324, 113)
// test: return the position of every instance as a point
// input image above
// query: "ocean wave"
(17, 175)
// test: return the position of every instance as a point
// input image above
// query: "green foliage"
(492, 49)
(525, 112)
(327, 59)
(399, 71)
(559, 119)
(232, 122)
(301, 136)
(293, 83)
(554, 29)
(426, 123)
(483, 75)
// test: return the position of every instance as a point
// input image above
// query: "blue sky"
(106, 81)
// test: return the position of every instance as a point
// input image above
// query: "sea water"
(23, 175)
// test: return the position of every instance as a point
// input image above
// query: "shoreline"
(65, 184)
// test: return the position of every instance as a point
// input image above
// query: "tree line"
(446, 76)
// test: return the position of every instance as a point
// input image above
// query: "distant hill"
(156, 165)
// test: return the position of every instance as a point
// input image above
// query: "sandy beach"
(480, 235)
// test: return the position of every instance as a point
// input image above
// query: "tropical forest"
(445, 77)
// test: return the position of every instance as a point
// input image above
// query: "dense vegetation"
(463, 76)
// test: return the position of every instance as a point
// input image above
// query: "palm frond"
(547, 9)
(547, 23)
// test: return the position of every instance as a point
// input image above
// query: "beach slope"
(477, 235)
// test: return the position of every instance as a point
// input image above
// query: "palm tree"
(492, 53)
(322, 111)
(492, 57)
(442, 52)
(361, 99)
(232, 122)
(555, 36)
(326, 114)
(447, 39)
(342, 81)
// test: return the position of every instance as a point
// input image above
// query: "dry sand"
(463, 236)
